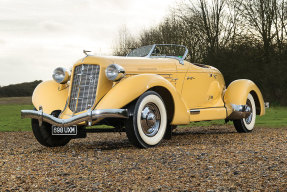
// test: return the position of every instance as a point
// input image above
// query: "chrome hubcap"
(249, 109)
(150, 119)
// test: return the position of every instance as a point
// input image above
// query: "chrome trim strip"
(87, 116)
(207, 108)
(194, 111)
(150, 52)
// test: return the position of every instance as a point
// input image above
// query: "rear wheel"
(44, 136)
(247, 124)
(147, 127)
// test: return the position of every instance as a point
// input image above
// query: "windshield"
(168, 51)
(141, 51)
(178, 52)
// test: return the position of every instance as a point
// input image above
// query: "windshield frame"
(153, 47)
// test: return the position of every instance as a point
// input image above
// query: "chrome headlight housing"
(61, 75)
(115, 72)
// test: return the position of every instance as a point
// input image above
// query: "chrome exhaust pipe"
(88, 116)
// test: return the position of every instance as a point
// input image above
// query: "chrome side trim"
(194, 111)
(88, 116)
(150, 52)
(239, 112)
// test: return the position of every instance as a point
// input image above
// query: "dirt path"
(199, 159)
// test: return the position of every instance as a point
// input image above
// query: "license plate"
(71, 130)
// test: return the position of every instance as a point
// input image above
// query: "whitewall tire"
(247, 124)
(147, 127)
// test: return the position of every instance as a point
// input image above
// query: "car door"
(196, 85)
(215, 90)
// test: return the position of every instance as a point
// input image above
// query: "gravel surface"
(195, 159)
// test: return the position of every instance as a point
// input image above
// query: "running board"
(205, 114)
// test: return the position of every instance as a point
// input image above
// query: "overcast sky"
(36, 36)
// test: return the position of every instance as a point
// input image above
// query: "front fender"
(237, 92)
(131, 88)
(50, 95)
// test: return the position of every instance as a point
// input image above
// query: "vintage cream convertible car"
(146, 94)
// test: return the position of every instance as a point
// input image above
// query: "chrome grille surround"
(84, 87)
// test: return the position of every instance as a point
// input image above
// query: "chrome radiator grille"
(84, 87)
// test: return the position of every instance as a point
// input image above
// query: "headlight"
(61, 75)
(115, 72)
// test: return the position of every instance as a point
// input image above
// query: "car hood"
(134, 64)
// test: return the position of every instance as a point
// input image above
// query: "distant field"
(16, 100)
(10, 119)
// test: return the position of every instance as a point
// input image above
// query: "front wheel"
(247, 124)
(147, 127)
(44, 136)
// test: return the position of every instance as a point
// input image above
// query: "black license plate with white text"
(71, 130)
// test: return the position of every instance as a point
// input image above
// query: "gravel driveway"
(196, 159)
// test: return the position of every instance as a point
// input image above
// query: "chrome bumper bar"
(239, 112)
(88, 116)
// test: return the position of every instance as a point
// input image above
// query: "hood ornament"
(86, 52)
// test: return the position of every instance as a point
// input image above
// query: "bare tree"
(261, 17)
(214, 21)
(280, 22)
(125, 42)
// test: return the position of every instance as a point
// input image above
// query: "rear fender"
(131, 88)
(237, 92)
(50, 95)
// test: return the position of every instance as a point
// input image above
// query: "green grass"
(274, 117)
(10, 119)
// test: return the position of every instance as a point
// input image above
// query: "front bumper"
(88, 116)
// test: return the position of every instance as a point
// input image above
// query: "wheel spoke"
(248, 119)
